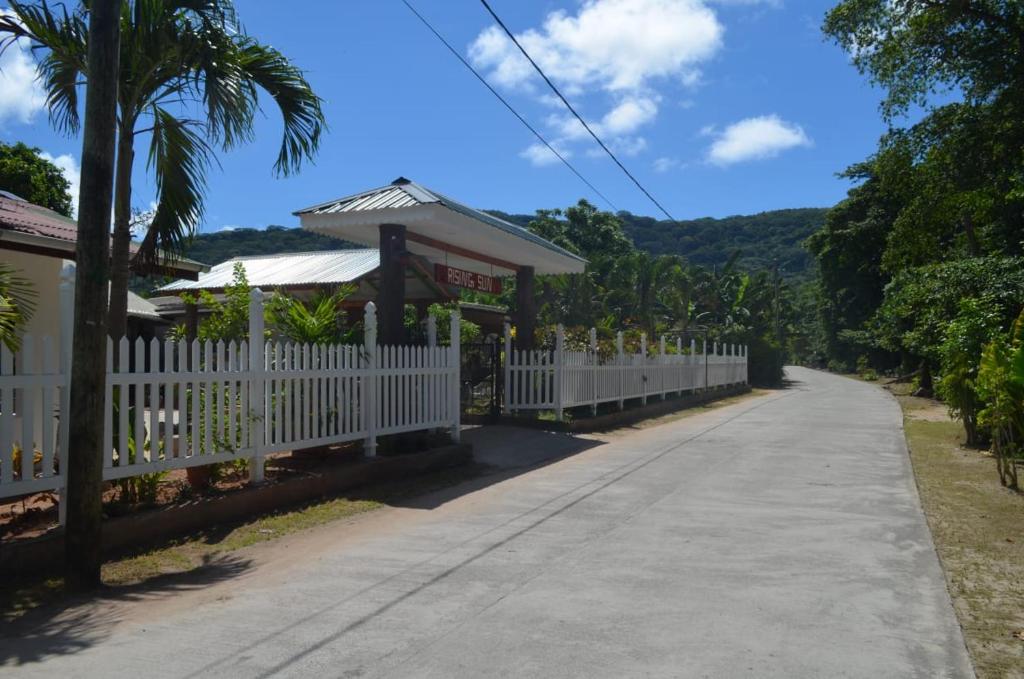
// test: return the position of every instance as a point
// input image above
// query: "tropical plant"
(321, 320)
(977, 321)
(25, 173)
(17, 304)
(1001, 385)
(228, 318)
(190, 78)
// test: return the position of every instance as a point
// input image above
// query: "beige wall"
(44, 275)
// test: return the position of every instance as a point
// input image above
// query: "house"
(39, 243)
(303, 274)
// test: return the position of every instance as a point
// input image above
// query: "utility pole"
(84, 475)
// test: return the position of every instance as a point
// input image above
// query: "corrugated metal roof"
(287, 270)
(406, 193)
(25, 217)
(21, 216)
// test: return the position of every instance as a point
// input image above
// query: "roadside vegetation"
(921, 267)
(978, 531)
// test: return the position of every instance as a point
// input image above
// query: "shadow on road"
(80, 622)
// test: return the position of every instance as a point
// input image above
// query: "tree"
(190, 79)
(25, 173)
(84, 475)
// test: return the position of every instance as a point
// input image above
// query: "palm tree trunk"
(84, 475)
(120, 255)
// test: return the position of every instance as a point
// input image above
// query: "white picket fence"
(186, 404)
(560, 379)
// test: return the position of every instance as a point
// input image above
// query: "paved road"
(778, 537)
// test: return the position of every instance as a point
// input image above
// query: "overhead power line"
(507, 105)
(573, 110)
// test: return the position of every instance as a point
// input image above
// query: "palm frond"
(63, 36)
(17, 304)
(179, 158)
(301, 109)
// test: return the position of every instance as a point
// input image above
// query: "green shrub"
(1001, 385)
(976, 323)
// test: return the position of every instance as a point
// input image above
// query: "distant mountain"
(760, 238)
(214, 248)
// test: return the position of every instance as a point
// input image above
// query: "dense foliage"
(630, 289)
(26, 174)
(762, 240)
(921, 266)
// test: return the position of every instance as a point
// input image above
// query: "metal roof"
(287, 270)
(41, 226)
(403, 193)
(142, 308)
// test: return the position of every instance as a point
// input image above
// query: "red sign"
(466, 279)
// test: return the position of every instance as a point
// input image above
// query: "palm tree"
(84, 473)
(649, 290)
(190, 80)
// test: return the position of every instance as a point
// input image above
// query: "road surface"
(781, 536)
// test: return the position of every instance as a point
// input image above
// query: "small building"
(304, 274)
(38, 243)
(414, 227)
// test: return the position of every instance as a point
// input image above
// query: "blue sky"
(719, 107)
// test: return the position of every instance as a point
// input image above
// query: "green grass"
(978, 529)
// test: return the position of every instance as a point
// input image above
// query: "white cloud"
(21, 95)
(664, 164)
(756, 138)
(72, 172)
(630, 114)
(541, 155)
(614, 44)
(621, 48)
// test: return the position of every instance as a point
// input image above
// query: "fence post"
(259, 422)
(681, 365)
(643, 368)
(593, 361)
(507, 390)
(67, 324)
(455, 366)
(559, 346)
(662, 361)
(621, 361)
(431, 331)
(369, 381)
(705, 353)
(746, 364)
(693, 363)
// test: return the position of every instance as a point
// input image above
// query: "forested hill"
(759, 238)
(214, 248)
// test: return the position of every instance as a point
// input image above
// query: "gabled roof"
(34, 228)
(298, 269)
(403, 196)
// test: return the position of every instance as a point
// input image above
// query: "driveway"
(778, 537)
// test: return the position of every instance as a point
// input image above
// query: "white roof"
(142, 308)
(287, 270)
(438, 218)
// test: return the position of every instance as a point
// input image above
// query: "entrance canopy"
(440, 229)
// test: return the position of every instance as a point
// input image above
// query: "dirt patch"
(978, 529)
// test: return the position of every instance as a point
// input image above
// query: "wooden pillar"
(191, 331)
(526, 311)
(391, 295)
(191, 321)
